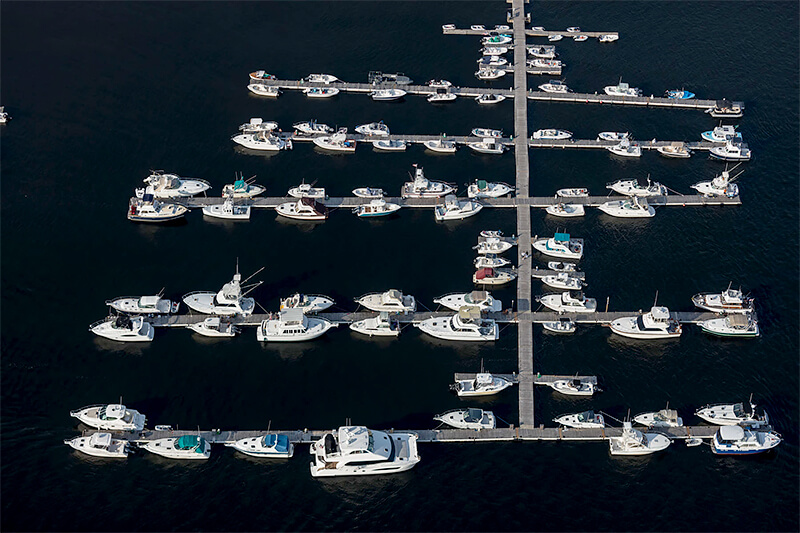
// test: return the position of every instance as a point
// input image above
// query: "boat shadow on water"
(302, 225)
(249, 151)
(127, 348)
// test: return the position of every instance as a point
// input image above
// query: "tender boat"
(572, 193)
(385, 95)
(731, 151)
(622, 89)
(489, 98)
(494, 245)
(466, 325)
(373, 128)
(376, 208)
(358, 451)
(110, 417)
(625, 149)
(561, 245)
(485, 189)
(555, 86)
(307, 303)
(554, 38)
(484, 384)
(228, 301)
(264, 141)
(258, 124)
(148, 209)
(303, 209)
(552, 135)
(306, 190)
(389, 146)
(368, 192)
(726, 109)
(100, 445)
(147, 305)
(634, 442)
(736, 325)
(634, 207)
(271, 445)
(732, 414)
(631, 187)
(679, 94)
(242, 189)
(468, 419)
(489, 73)
(563, 280)
(264, 90)
(496, 40)
(442, 95)
(381, 325)
(228, 210)
(573, 387)
(162, 185)
(262, 75)
(493, 276)
(607, 38)
(337, 142)
(655, 324)
(377, 77)
(728, 301)
(565, 210)
(214, 326)
(568, 302)
(123, 328)
(441, 146)
(544, 51)
(586, 419)
(439, 84)
(487, 146)
(721, 185)
(616, 136)
(665, 418)
(422, 187)
(736, 440)
(487, 132)
(580, 38)
(721, 134)
(490, 261)
(321, 78)
(455, 209)
(292, 325)
(320, 92)
(483, 300)
(492, 61)
(562, 325)
(184, 447)
(676, 150)
(312, 127)
(392, 301)
(560, 266)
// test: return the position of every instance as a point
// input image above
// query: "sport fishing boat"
(358, 451)
(392, 301)
(484, 384)
(679, 94)
(386, 145)
(264, 90)
(726, 109)
(676, 150)
(258, 124)
(185, 447)
(665, 418)
(228, 210)
(551, 135)
(487, 146)
(292, 325)
(655, 324)
(123, 328)
(312, 127)
(572, 193)
(229, 301)
(732, 414)
(631, 187)
(264, 141)
(634, 207)
(442, 95)
(625, 149)
(242, 189)
(728, 301)
(555, 86)
(455, 209)
(214, 326)
(422, 187)
(736, 325)
(307, 190)
(162, 185)
(568, 302)
(721, 134)
(489, 99)
(562, 325)
(565, 210)
(307, 303)
(376, 208)
(338, 142)
(486, 189)
(100, 445)
(493, 276)
(483, 300)
(546, 51)
(382, 325)
(721, 185)
(303, 209)
(146, 305)
(373, 128)
(561, 245)
(573, 387)
(110, 417)
(622, 89)
(616, 136)
(736, 440)
(586, 419)
(731, 151)
(386, 95)
(320, 92)
(634, 442)
(148, 209)
(466, 325)
(368, 192)
(468, 419)
(490, 261)
(440, 146)
(321, 78)
(563, 280)
(489, 73)
(496, 40)
(270, 445)
(487, 132)
(493, 245)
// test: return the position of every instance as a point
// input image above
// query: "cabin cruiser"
(442, 95)
(390, 146)
(731, 151)
(466, 325)
(555, 86)
(551, 135)
(385, 95)
(258, 124)
(303, 209)
(100, 445)
(271, 445)
(679, 94)
(562, 325)
(292, 325)
(377, 77)
(496, 40)
(358, 451)
(307, 303)
(634, 207)
(110, 417)
(483, 300)
(484, 384)
(487, 146)
(123, 328)
(544, 51)
(726, 109)
(736, 325)
(721, 134)
(625, 149)
(264, 90)
(561, 245)
(573, 193)
(492, 61)
(631, 187)
(655, 324)
(338, 142)
(736, 440)
(441, 146)
(312, 127)
(373, 128)
(422, 187)
(321, 78)
(392, 301)
(320, 92)
(493, 245)
(468, 419)
(633, 442)
(262, 140)
(728, 301)
(554, 38)
(305, 190)
(721, 185)
(214, 326)
(616, 136)
(382, 325)
(568, 302)
(490, 261)
(162, 185)
(439, 84)
(368, 192)
(487, 132)
(665, 418)
(148, 209)
(560, 266)
(675, 150)
(184, 447)
(565, 210)
(493, 276)
(376, 208)
(586, 419)
(242, 189)
(228, 301)
(148, 305)
(489, 73)
(489, 98)
(228, 210)
(485, 189)
(622, 89)
(732, 414)
(573, 387)
(607, 38)
(563, 280)
(455, 209)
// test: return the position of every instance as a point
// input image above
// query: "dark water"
(102, 92)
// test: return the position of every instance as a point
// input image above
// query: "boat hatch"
(731, 433)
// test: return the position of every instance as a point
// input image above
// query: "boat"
(560, 266)
(264, 90)
(555, 37)
(382, 325)
(386, 95)
(625, 149)
(368, 192)
(307, 303)
(665, 418)
(573, 387)
(483, 300)
(258, 124)
(487, 146)
(493, 245)
(538, 28)
(563, 280)
(721, 185)
(728, 301)
(634, 442)
(616, 136)
(265, 141)
(496, 40)
(489, 73)
(736, 440)
(228, 210)
(148, 209)
(675, 150)
(455, 209)
(100, 445)
(494, 50)
(441, 146)
(229, 301)
(622, 89)
(312, 127)
(487, 132)
(146, 305)
(545, 63)
(358, 451)
(373, 128)
(303, 209)
(377, 77)
(488, 99)
(573, 193)
(586, 419)
(442, 95)
(573, 29)
(736, 325)
(565, 210)
(185, 447)
(422, 187)
(392, 301)
(162, 185)
(607, 38)
(543, 51)
(338, 142)
(490, 261)
(484, 384)
(292, 325)
(493, 276)
(580, 38)
(631, 187)
(721, 134)
(270, 445)
(485, 189)
(466, 325)
(123, 328)
(555, 86)
(552, 135)
(321, 78)
(694, 441)
(562, 325)
(655, 324)
(4, 116)
(492, 61)
(242, 189)
(439, 84)
(376, 208)
(679, 94)
(732, 414)
(726, 109)
(731, 151)
(110, 417)
(568, 302)
(214, 326)
(306, 190)
(262, 75)
(502, 27)
(320, 92)
(389, 146)
(468, 419)
(633, 207)
(560, 245)
(497, 234)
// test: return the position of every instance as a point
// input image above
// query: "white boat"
(573, 387)
(439, 84)
(487, 146)
(468, 419)
(565, 210)
(613, 136)
(381, 325)
(563, 280)
(493, 276)
(736, 325)
(123, 328)
(264, 90)
(625, 149)
(441, 146)
(560, 266)
(554, 38)
(100, 445)
(390, 146)
(262, 75)
(675, 150)
(586, 419)
(573, 193)
(731, 151)
(486, 189)
(228, 210)
(162, 185)
(466, 325)
(493, 245)
(385, 95)
(321, 78)
(338, 142)
(580, 38)
(303, 209)
(392, 301)
(721, 185)
(553, 135)
(377, 77)
(368, 192)
(373, 128)
(4, 117)
(148, 209)
(455, 209)
(320, 92)
(665, 418)
(555, 86)
(489, 73)
(292, 325)
(622, 89)
(307, 303)
(258, 124)
(270, 445)
(634, 207)
(188, 447)
(562, 325)
(147, 305)
(489, 98)
(484, 384)
(545, 51)
(655, 324)
(634, 442)
(442, 95)
(229, 301)
(494, 50)
(728, 301)
(312, 127)
(545, 63)
(306, 190)
(487, 132)
(608, 38)
(736, 440)
(422, 187)
(483, 300)
(732, 414)
(726, 109)
(265, 141)
(376, 208)
(573, 29)
(538, 28)
(214, 326)
(568, 302)
(358, 451)
(490, 261)
(496, 40)
(242, 189)
(721, 134)
(492, 61)
(631, 187)
(496, 234)
(561, 245)
(110, 417)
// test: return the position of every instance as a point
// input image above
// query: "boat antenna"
(237, 265)
(481, 365)
(161, 292)
(656, 300)
(269, 425)
(736, 176)
(254, 273)
(251, 288)
(752, 405)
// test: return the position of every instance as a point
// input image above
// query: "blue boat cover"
(187, 442)
(561, 237)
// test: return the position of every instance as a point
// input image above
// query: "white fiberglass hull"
(372, 328)
(553, 301)
(254, 447)
(325, 144)
(238, 212)
(616, 209)
(441, 328)
(457, 301)
(566, 211)
(719, 327)
(559, 283)
(226, 330)
(493, 190)
(117, 449)
(655, 443)
(561, 387)
(317, 327)
(466, 210)
(106, 330)
(649, 419)
(165, 448)
(289, 210)
(629, 327)
(131, 305)
(541, 246)
(203, 302)
(457, 419)
(89, 417)
(625, 152)
(442, 147)
(248, 141)
(374, 302)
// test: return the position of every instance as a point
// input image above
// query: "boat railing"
(98, 322)
(357, 300)
(196, 292)
(76, 411)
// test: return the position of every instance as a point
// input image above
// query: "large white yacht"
(307, 303)
(468, 419)
(721, 185)
(563, 210)
(100, 445)
(292, 325)
(633, 207)
(228, 301)
(214, 326)
(337, 142)
(422, 187)
(631, 187)
(732, 414)
(358, 451)
(573, 387)
(563, 280)
(162, 185)
(123, 328)
(586, 419)
(625, 149)
(734, 325)
(381, 325)
(665, 418)
(262, 140)
(728, 301)
(110, 417)
(561, 245)
(483, 300)
(736, 440)
(312, 127)
(149, 209)
(622, 89)
(184, 447)
(634, 442)
(271, 445)
(228, 210)
(721, 134)
(455, 209)
(373, 128)
(485, 189)
(303, 209)
(144, 304)
(392, 300)
(568, 302)
(484, 384)
(731, 151)
(655, 324)
(493, 276)
(466, 325)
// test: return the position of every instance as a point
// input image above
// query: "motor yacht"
(726, 109)
(264, 141)
(728, 301)
(242, 189)
(572, 193)
(486, 189)
(555, 86)
(321, 78)
(543, 51)
(307, 303)
(732, 414)
(466, 325)
(292, 325)
(188, 447)
(468, 419)
(145, 305)
(565, 210)
(320, 92)
(110, 417)
(392, 301)
(229, 301)
(373, 128)
(386, 95)
(554, 38)
(100, 445)
(148, 209)
(493, 276)
(258, 124)
(731, 151)
(422, 187)
(552, 135)
(736, 440)
(303, 209)
(607, 38)
(440, 146)
(338, 142)
(634, 442)
(439, 84)
(264, 90)
(676, 150)
(655, 324)
(376, 208)
(634, 207)
(312, 127)
(368, 192)
(622, 89)
(483, 300)
(573, 387)
(123, 328)
(721, 134)
(736, 325)
(563, 280)
(496, 40)
(665, 418)
(586, 419)
(442, 95)
(489, 99)
(568, 302)
(631, 187)
(358, 451)
(561, 245)
(492, 61)
(455, 209)
(484, 384)
(616, 136)
(306, 190)
(270, 445)
(385, 145)
(228, 210)
(679, 94)
(487, 146)
(490, 261)
(214, 326)
(493, 245)
(625, 149)
(377, 77)
(382, 325)
(560, 266)
(489, 73)
(562, 325)
(162, 185)
(721, 185)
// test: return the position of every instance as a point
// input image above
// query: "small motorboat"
(368, 192)
(489, 73)
(586, 419)
(665, 418)
(264, 141)
(494, 50)
(184, 447)
(306, 190)
(307, 303)
(560, 266)
(545, 63)
(732, 414)
(441, 96)
(634, 442)
(389, 146)
(387, 95)
(148, 209)
(262, 75)
(162, 185)
(561, 245)
(544, 51)
(487, 146)
(376, 208)
(721, 134)
(731, 151)
(625, 149)
(382, 325)
(439, 84)
(622, 89)
(441, 146)
(228, 301)
(484, 384)
(634, 207)
(392, 301)
(679, 94)
(303, 209)
(573, 29)
(552, 135)
(483, 300)
(675, 150)
(490, 261)
(655, 324)
(264, 90)
(607, 38)
(694, 441)
(736, 440)
(214, 326)
(631, 187)
(568, 302)
(736, 325)
(486, 189)
(144, 305)
(496, 40)
(728, 301)
(572, 193)
(258, 124)
(580, 38)
(555, 37)
(496, 234)
(320, 92)
(466, 325)
(563, 280)
(468, 419)
(555, 86)
(493, 276)
(422, 187)
(726, 109)
(110, 417)
(373, 128)
(573, 387)
(123, 328)
(494, 245)
(271, 445)
(321, 78)
(565, 210)
(100, 445)
(377, 77)
(492, 61)
(615, 136)
(562, 325)
(312, 127)
(292, 325)
(721, 185)
(338, 142)
(242, 189)
(487, 132)
(487, 99)
(228, 210)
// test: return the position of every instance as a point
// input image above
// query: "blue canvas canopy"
(561, 237)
